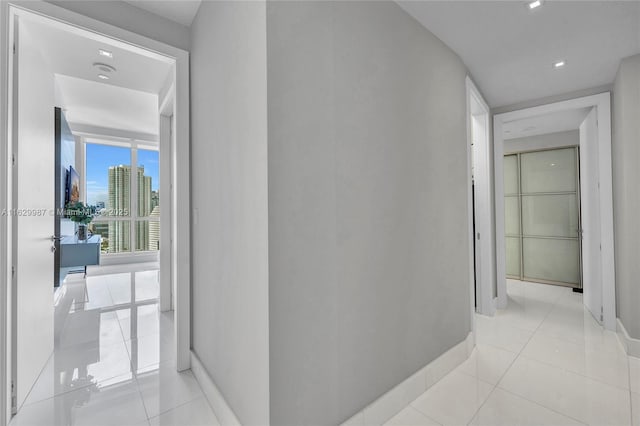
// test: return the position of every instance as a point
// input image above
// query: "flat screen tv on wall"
(72, 194)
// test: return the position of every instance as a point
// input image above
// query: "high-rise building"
(155, 199)
(144, 193)
(120, 205)
(154, 229)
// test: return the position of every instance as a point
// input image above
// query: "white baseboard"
(392, 402)
(631, 345)
(221, 408)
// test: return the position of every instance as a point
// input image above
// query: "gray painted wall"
(130, 18)
(626, 198)
(368, 244)
(549, 140)
(229, 198)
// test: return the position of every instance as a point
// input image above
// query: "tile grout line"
(542, 406)
(182, 405)
(556, 303)
(418, 409)
(68, 392)
(511, 365)
(573, 344)
(26, 398)
(548, 364)
(134, 375)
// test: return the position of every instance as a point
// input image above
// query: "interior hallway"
(542, 361)
(114, 360)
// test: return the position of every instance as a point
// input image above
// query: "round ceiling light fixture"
(105, 68)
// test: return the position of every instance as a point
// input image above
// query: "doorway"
(594, 128)
(480, 198)
(28, 258)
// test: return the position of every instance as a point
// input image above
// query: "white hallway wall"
(368, 243)
(361, 262)
(229, 200)
(626, 197)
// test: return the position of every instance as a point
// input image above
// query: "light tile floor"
(542, 361)
(114, 358)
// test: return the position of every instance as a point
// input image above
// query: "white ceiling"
(509, 49)
(128, 101)
(96, 104)
(543, 124)
(70, 54)
(180, 11)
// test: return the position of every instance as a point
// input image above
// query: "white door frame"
(5, 225)
(180, 206)
(602, 103)
(478, 135)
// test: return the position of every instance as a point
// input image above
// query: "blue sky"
(101, 157)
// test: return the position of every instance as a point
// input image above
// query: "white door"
(33, 196)
(590, 208)
(482, 201)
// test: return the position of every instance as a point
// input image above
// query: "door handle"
(55, 238)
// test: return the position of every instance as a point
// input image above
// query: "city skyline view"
(110, 178)
(99, 158)
(118, 233)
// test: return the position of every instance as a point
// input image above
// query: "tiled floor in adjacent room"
(114, 361)
(542, 361)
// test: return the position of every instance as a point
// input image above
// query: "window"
(148, 230)
(127, 201)
(108, 170)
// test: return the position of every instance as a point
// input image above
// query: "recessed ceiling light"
(536, 3)
(106, 53)
(559, 64)
(103, 77)
(104, 68)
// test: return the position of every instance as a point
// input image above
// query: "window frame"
(133, 145)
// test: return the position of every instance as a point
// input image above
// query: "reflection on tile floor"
(542, 361)
(114, 360)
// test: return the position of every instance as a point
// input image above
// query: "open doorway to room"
(554, 211)
(482, 276)
(94, 289)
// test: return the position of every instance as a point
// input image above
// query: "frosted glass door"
(550, 218)
(512, 230)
